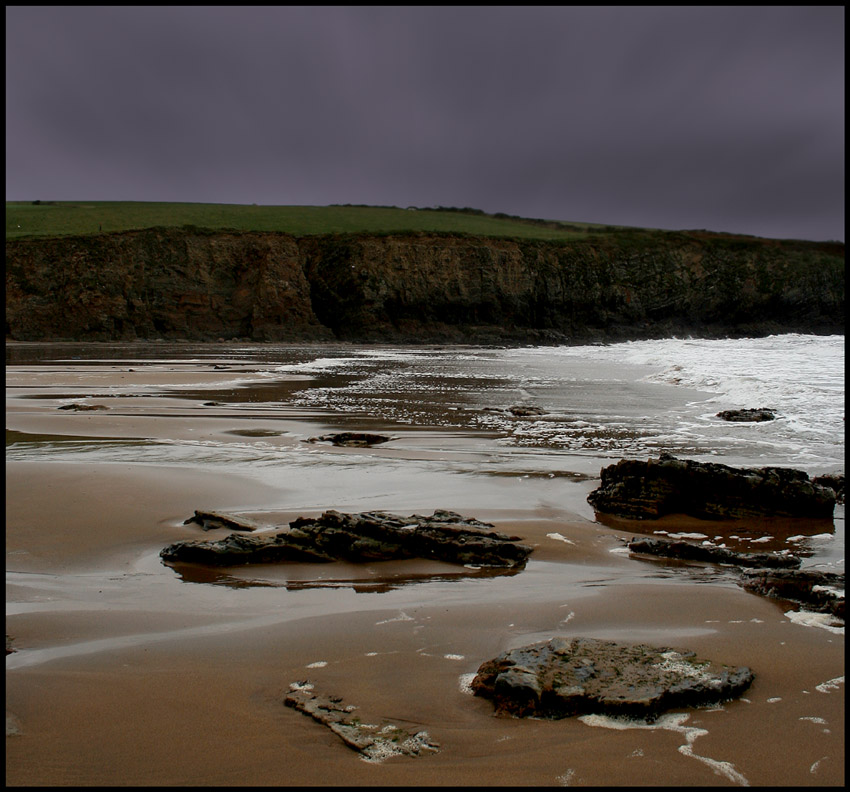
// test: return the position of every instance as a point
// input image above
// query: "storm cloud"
(726, 118)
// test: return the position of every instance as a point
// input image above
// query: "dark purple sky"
(719, 117)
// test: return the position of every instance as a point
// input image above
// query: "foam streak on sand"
(829, 685)
(822, 620)
(672, 722)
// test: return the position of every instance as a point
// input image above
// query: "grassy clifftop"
(64, 218)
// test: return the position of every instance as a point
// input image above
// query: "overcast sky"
(726, 118)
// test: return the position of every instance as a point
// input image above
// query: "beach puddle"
(254, 432)
(42, 441)
(745, 535)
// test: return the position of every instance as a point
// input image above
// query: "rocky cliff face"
(198, 285)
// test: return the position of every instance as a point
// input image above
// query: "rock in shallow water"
(369, 536)
(748, 415)
(563, 677)
(668, 548)
(352, 439)
(648, 490)
(821, 592)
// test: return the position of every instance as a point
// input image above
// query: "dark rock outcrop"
(211, 520)
(375, 741)
(201, 285)
(835, 481)
(822, 592)
(352, 439)
(648, 490)
(577, 676)
(235, 549)
(523, 411)
(445, 536)
(748, 415)
(686, 551)
(370, 536)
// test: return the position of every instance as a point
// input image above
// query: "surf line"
(672, 722)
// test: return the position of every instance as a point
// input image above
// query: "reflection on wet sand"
(377, 578)
(801, 536)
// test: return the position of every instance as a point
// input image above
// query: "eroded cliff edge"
(208, 285)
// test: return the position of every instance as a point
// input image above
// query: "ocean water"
(626, 400)
(590, 404)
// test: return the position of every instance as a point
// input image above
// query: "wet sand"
(128, 673)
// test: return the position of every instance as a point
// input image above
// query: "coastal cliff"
(199, 285)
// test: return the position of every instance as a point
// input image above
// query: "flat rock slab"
(351, 439)
(369, 536)
(648, 490)
(375, 742)
(686, 551)
(822, 592)
(563, 677)
(748, 415)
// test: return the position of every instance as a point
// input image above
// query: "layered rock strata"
(197, 285)
(370, 536)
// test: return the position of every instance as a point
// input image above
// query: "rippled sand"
(129, 673)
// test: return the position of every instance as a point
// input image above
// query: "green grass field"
(62, 218)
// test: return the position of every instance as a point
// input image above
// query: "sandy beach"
(126, 672)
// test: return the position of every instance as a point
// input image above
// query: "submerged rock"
(369, 536)
(822, 592)
(648, 490)
(748, 415)
(352, 439)
(83, 407)
(563, 677)
(686, 551)
(375, 742)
